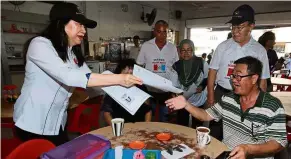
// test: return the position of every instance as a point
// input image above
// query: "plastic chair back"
(31, 149)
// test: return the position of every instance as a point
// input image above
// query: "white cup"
(203, 137)
(117, 125)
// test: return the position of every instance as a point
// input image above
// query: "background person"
(158, 55)
(192, 73)
(134, 51)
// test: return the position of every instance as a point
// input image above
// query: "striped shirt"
(257, 125)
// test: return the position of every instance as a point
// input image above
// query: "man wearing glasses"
(157, 55)
(222, 64)
(253, 120)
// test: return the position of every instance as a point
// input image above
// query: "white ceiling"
(200, 9)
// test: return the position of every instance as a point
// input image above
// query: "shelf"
(15, 16)
(20, 33)
(17, 68)
(9, 57)
(10, 43)
(17, 21)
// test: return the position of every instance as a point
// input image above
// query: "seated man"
(112, 109)
(253, 120)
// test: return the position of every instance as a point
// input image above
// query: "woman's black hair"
(265, 37)
(55, 32)
(122, 64)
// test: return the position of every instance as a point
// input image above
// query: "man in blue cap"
(222, 64)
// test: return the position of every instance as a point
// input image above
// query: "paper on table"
(129, 98)
(177, 154)
(154, 80)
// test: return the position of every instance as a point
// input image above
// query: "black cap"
(242, 14)
(65, 10)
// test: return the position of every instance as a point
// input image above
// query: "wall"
(32, 7)
(261, 19)
(113, 22)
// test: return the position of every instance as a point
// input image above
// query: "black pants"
(216, 127)
(55, 139)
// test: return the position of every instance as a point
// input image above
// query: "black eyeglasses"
(240, 28)
(239, 77)
(186, 51)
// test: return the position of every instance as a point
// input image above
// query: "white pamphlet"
(176, 154)
(129, 98)
(151, 79)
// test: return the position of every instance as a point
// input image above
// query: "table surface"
(285, 98)
(76, 98)
(281, 81)
(146, 131)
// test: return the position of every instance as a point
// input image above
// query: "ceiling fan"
(16, 4)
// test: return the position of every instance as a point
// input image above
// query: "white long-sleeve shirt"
(48, 85)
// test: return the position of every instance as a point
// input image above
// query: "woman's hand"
(128, 80)
(176, 103)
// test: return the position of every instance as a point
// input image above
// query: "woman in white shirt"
(54, 67)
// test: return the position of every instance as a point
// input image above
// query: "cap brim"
(86, 22)
(236, 21)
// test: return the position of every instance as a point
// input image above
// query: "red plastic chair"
(81, 121)
(31, 149)
(9, 144)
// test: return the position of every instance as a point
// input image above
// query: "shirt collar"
(250, 42)
(70, 48)
(259, 101)
(153, 41)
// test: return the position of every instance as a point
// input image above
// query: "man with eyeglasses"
(158, 55)
(253, 120)
(222, 64)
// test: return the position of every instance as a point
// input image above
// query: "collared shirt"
(133, 52)
(48, 85)
(287, 62)
(229, 51)
(257, 125)
(156, 60)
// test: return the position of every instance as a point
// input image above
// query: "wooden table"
(285, 98)
(146, 131)
(76, 98)
(281, 81)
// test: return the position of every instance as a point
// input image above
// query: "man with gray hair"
(158, 56)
